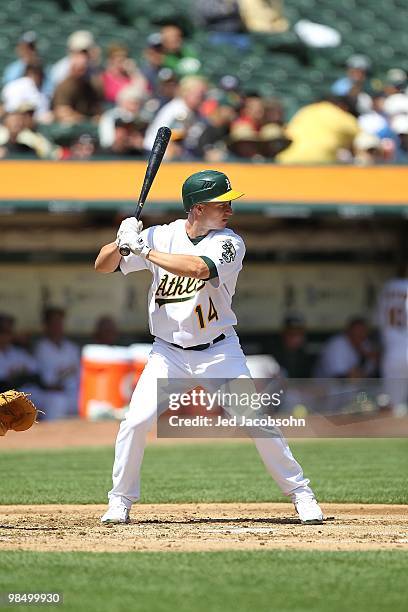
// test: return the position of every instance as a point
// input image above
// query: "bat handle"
(124, 250)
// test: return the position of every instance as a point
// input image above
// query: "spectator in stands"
(182, 113)
(375, 121)
(243, 142)
(167, 87)
(265, 16)
(272, 140)
(274, 111)
(176, 51)
(121, 71)
(58, 361)
(84, 147)
(354, 82)
(166, 91)
(127, 139)
(76, 98)
(17, 367)
(399, 125)
(106, 331)
(397, 104)
(222, 20)
(128, 108)
(367, 150)
(19, 134)
(153, 57)
(79, 42)
(27, 55)
(394, 106)
(27, 90)
(229, 89)
(320, 132)
(348, 355)
(12, 140)
(396, 81)
(231, 86)
(216, 127)
(290, 351)
(252, 112)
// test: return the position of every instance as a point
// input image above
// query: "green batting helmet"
(207, 186)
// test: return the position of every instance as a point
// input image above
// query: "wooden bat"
(155, 159)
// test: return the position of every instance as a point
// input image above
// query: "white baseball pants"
(394, 370)
(224, 359)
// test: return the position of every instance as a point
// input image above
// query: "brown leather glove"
(17, 412)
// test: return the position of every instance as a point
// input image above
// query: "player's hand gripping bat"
(156, 155)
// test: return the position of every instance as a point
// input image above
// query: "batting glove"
(136, 244)
(129, 226)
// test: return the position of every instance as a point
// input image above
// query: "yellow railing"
(262, 183)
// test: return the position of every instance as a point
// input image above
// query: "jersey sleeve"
(227, 254)
(134, 263)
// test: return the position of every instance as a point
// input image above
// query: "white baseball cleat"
(117, 513)
(309, 511)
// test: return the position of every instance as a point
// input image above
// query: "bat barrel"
(157, 153)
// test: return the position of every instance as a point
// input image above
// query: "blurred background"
(302, 103)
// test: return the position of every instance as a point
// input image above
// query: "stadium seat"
(275, 62)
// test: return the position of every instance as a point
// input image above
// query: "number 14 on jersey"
(211, 314)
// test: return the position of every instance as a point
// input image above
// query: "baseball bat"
(155, 159)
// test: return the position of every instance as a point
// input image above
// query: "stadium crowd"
(109, 104)
(50, 368)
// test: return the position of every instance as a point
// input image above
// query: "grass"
(264, 581)
(292, 581)
(354, 470)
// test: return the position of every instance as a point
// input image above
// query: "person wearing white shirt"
(349, 354)
(28, 91)
(18, 369)
(81, 41)
(180, 113)
(59, 364)
(393, 323)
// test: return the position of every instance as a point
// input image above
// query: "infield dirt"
(199, 527)
(185, 527)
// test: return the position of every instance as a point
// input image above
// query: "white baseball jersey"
(14, 360)
(188, 311)
(59, 364)
(393, 316)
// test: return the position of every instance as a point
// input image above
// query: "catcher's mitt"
(16, 411)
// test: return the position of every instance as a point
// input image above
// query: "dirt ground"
(199, 527)
(77, 432)
(184, 527)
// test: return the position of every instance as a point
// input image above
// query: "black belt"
(200, 347)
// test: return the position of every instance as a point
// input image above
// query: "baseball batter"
(194, 265)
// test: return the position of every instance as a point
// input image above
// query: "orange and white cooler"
(108, 376)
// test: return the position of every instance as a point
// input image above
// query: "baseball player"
(58, 361)
(393, 323)
(194, 265)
